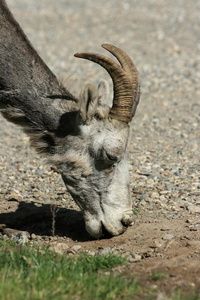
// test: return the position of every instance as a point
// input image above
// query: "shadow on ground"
(37, 219)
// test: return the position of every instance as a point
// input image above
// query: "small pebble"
(20, 238)
(76, 248)
(168, 236)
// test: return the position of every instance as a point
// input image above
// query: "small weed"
(54, 210)
(136, 211)
(158, 276)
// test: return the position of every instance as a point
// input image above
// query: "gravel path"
(163, 40)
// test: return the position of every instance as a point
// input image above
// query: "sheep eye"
(110, 157)
(105, 160)
(103, 157)
(107, 157)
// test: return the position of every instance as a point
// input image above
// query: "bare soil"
(155, 245)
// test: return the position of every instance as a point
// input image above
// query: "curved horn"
(130, 69)
(123, 101)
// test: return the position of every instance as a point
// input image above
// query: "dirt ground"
(155, 245)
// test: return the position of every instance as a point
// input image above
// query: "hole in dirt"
(38, 220)
(105, 234)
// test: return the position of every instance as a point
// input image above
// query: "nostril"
(105, 233)
(126, 221)
(125, 224)
(114, 228)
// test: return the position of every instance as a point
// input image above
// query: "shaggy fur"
(81, 138)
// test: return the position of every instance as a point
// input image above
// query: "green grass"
(179, 296)
(32, 273)
(158, 276)
(136, 211)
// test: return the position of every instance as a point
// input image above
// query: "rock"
(70, 252)
(137, 256)
(10, 232)
(105, 251)
(162, 198)
(60, 248)
(162, 296)
(192, 228)
(193, 209)
(76, 248)
(188, 221)
(142, 197)
(164, 229)
(134, 258)
(154, 195)
(168, 236)
(91, 253)
(169, 186)
(157, 244)
(20, 238)
(33, 236)
(150, 182)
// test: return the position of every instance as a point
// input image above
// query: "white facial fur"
(100, 183)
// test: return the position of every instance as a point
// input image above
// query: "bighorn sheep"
(87, 140)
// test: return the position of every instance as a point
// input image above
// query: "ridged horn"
(123, 101)
(130, 70)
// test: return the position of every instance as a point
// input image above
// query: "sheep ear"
(103, 103)
(89, 101)
(104, 93)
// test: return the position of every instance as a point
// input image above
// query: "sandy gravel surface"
(162, 38)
